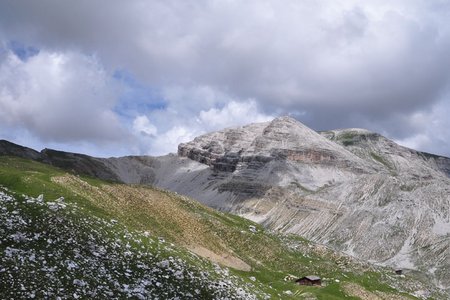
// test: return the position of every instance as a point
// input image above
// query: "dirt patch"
(222, 259)
(355, 290)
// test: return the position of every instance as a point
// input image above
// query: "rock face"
(250, 160)
(282, 139)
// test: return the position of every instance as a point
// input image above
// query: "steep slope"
(107, 240)
(53, 249)
(276, 145)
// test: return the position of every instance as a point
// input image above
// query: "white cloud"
(180, 128)
(232, 114)
(142, 125)
(168, 141)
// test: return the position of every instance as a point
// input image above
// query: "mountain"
(352, 190)
(74, 237)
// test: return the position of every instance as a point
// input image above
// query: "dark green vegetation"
(381, 160)
(110, 240)
(348, 138)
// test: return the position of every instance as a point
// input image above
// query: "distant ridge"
(8, 148)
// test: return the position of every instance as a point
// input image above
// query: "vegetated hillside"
(68, 236)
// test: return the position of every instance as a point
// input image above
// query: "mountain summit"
(284, 140)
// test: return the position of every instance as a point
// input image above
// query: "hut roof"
(312, 277)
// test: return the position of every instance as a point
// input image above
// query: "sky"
(113, 78)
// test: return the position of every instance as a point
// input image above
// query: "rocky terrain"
(351, 189)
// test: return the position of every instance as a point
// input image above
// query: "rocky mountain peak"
(286, 122)
(282, 139)
(288, 132)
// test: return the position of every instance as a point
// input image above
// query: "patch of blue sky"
(137, 98)
(22, 51)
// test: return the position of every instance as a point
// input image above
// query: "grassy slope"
(224, 237)
(53, 249)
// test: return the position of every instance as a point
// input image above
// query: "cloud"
(168, 141)
(432, 130)
(333, 63)
(294, 54)
(59, 97)
(183, 128)
(142, 125)
(233, 114)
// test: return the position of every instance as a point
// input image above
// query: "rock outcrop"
(282, 139)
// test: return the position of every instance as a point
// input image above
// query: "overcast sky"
(112, 78)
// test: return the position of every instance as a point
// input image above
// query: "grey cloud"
(59, 97)
(335, 64)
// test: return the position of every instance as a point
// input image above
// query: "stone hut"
(309, 280)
